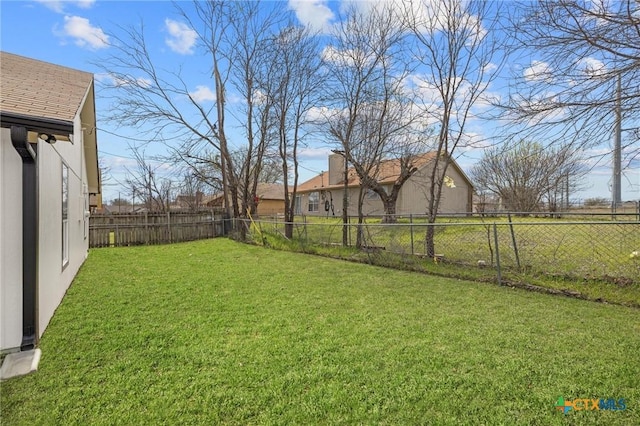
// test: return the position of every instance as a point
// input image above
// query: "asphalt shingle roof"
(39, 89)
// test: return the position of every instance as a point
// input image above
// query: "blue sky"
(76, 33)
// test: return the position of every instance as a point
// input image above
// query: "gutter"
(29, 236)
(36, 124)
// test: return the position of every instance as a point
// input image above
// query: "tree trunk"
(429, 241)
(360, 232)
(389, 210)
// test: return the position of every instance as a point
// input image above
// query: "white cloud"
(85, 4)
(318, 114)
(122, 80)
(489, 67)
(202, 94)
(347, 57)
(538, 71)
(181, 38)
(313, 13)
(545, 107)
(314, 153)
(58, 5)
(592, 67)
(84, 33)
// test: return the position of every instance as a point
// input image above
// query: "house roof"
(270, 191)
(265, 191)
(37, 89)
(388, 172)
(46, 98)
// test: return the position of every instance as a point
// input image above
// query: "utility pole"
(617, 154)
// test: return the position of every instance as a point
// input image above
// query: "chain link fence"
(567, 249)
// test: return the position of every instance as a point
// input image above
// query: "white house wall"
(10, 243)
(53, 278)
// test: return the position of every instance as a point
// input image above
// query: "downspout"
(29, 236)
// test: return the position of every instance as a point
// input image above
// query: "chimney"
(336, 169)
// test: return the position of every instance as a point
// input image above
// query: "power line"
(122, 136)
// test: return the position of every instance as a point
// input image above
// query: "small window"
(85, 211)
(314, 201)
(65, 215)
(372, 195)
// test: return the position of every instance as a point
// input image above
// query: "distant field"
(217, 332)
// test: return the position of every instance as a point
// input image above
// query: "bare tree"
(525, 175)
(581, 51)
(147, 185)
(254, 29)
(233, 36)
(207, 166)
(370, 116)
(455, 45)
(190, 191)
(292, 85)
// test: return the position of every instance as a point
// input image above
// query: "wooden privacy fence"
(131, 229)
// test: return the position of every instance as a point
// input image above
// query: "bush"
(596, 201)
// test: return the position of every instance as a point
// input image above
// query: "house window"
(65, 215)
(372, 195)
(298, 205)
(314, 201)
(85, 211)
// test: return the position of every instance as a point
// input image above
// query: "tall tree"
(455, 44)
(290, 87)
(581, 51)
(233, 36)
(370, 116)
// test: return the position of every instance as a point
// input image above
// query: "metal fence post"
(495, 237)
(306, 235)
(411, 229)
(513, 238)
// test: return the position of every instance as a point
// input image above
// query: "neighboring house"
(270, 199)
(323, 194)
(189, 202)
(128, 209)
(46, 190)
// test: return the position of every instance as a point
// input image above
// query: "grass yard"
(220, 332)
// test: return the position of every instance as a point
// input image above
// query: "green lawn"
(219, 332)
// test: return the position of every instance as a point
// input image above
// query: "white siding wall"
(10, 244)
(53, 278)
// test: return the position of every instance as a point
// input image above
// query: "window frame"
(65, 214)
(313, 202)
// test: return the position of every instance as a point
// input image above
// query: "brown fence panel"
(130, 229)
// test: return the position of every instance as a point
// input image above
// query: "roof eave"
(36, 124)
